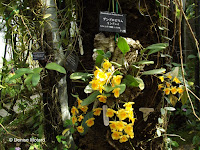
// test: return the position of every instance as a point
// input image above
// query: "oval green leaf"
(141, 83)
(56, 67)
(37, 70)
(130, 81)
(123, 45)
(122, 88)
(35, 79)
(28, 79)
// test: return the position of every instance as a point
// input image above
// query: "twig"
(181, 57)
(26, 27)
(194, 94)
(175, 135)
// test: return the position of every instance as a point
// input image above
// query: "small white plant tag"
(105, 118)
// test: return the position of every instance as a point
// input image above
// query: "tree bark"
(53, 40)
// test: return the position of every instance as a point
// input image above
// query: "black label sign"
(112, 22)
(38, 56)
(71, 62)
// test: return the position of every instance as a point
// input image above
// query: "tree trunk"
(50, 102)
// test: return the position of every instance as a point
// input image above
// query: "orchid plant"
(106, 87)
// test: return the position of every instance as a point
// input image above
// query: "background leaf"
(56, 67)
(144, 62)
(80, 75)
(154, 71)
(156, 47)
(130, 81)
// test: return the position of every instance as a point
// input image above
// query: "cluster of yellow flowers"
(122, 130)
(103, 77)
(77, 116)
(167, 86)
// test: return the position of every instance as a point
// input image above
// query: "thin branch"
(176, 135)
(194, 95)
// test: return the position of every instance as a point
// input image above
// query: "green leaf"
(99, 60)
(28, 79)
(56, 67)
(76, 96)
(122, 88)
(59, 138)
(35, 79)
(116, 64)
(196, 140)
(24, 71)
(108, 88)
(175, 144)
(141, 83)
(123, 45)
(145, 62)
(91, 98)
(20, 72)
(107, 54)
(184, 98)
(17, 75)
(37, 70)
(191, 56)
(170, 108)
(46, 16)
(130, 81)
(88, 89)
(80, 75)
(154, 71)
(100, 52)
(156, 47)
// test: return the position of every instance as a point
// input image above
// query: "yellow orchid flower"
(80, 129)
(123, 138)
(110, 112)
(176, 80)
(122, 114)
(116, 92)
(106, 65)
(90, 122)
(116, 135)
(102, 98)
(97, 111)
